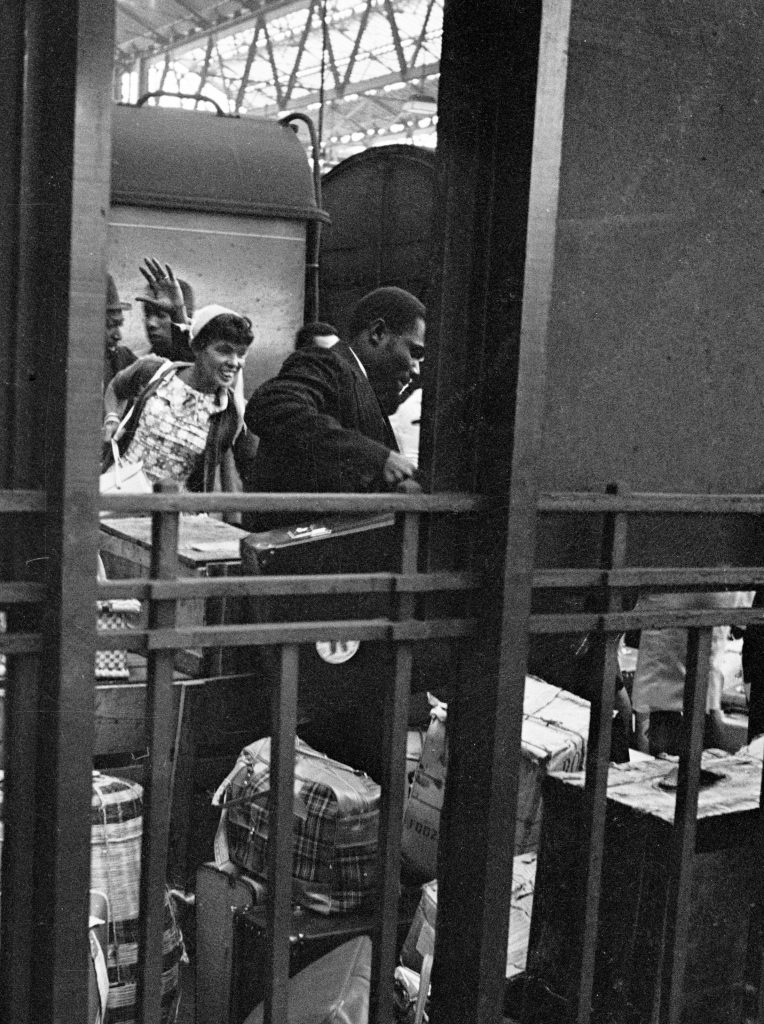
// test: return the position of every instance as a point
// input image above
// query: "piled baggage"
(115, 869)
(554, 733)
(334, 875)
(336, 819)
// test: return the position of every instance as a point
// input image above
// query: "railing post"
(278, 912)
(613, 556)
(160, 733)
(393, 782)
(685, 827)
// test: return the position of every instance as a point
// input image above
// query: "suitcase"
(336, 823)
(333, 990)
(341, 683)
(220, 892)
(311, 936)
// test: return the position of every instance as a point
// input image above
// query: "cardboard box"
(523, 882)
(554, 734)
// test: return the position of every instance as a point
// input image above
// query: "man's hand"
(165, 288)
(397, 468)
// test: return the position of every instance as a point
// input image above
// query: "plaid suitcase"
(334, 862)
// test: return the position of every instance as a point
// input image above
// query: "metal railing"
(161, 638)
(607, 583)
(403, 627)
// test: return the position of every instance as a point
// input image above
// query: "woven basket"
(115, 869)
(116, 818)
(115, 615)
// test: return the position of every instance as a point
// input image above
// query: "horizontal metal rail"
(20, 643)
(293, 585)
(21, 593)
(589, 502)
(651, 578)
(269, 633)
(22, 501)
(310, 504)
(620, 622)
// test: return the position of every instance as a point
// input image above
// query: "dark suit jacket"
(320, 426)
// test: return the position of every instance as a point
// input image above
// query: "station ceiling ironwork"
(366, 71)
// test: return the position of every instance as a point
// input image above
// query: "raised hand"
(165, 288)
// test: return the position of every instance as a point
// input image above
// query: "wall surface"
(656, 373)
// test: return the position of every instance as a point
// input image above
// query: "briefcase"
(341, 682)
(311, 936)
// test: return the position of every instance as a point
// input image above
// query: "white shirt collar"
(363, 368)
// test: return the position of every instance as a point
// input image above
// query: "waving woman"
(181, 421)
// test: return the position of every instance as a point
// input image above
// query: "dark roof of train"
(194, 160)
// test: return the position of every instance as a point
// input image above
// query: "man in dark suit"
(322, 424)
(322, 420)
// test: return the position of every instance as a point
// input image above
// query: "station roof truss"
(365, 71)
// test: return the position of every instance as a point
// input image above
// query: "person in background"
(323, 421)
(168, 307)
(179, 419)
(659, 677)
(316, 333)
(323, 425)
(753, 671)
(116, 356)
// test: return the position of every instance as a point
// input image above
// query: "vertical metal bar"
(685, 827)
(11, 134)
(143, 76)
(756, 930)
(475, 864)
(22, 673)
(17, 949)
(278, 914)
(393, 782)
(58, 380)
(597, 766)
(160, 733)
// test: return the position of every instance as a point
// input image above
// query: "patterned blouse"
(172, 432)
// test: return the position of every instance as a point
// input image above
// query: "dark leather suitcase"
(341, 684)
(220, 892)
(333, 990)
(311, 936)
